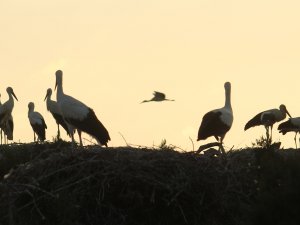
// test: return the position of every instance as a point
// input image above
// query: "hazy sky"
(115, 53)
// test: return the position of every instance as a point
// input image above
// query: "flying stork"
(219, 121)
(291, 125)
(78, 115)
(268, 118)
(37, 123)
(52, 107)
(158, 97)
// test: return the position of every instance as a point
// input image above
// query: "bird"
(7, 127)
(52, 107)
(268, 118)
(218, 122)
(158, 97)
(78, 115)
(37, 123)
(291, 125)
(6, 109)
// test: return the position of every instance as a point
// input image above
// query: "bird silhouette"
(219, 121)
(158, 97)
(267, 119)
(291, 125)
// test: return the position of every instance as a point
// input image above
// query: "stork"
(52, 107)
(7, 127)
(291, 125)
(219, 121)
(78, 115)
(158, 97)
(268, 118)
(7, 107)
(37, 123)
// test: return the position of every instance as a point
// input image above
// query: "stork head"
(227, 85)
(283, 109)
(58, 75)
(10, 91)
(31, 106)
(48, 94)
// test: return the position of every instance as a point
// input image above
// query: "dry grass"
(53, 184)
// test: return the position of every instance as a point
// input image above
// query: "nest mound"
(59, 185)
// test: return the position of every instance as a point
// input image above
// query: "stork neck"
(10, 97)
(59, 90)
(227, 98)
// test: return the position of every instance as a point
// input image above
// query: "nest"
(56, 184)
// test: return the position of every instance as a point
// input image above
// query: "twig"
(124, 139)
(192, 143)
(206, 146)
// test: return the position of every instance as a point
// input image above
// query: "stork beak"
(288, 113)
(46, 96)
(14, 96)
(55, 86)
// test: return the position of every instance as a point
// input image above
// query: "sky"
(115, 53)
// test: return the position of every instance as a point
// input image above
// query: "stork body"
(7, 107)
(37, 123)
(8, 129)
(219, 121)
(52, 107)
(158, 97)
(79, 116)
(6, 121)
(268, 118)
(291, 125)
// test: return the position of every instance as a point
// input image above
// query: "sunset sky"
(115, 53)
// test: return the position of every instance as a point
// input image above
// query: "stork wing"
(159, 95)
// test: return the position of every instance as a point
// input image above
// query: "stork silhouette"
(158, 97)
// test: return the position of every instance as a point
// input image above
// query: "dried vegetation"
(55, 184)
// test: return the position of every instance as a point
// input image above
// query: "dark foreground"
(52, 184)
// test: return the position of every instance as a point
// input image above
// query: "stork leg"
(73, 140)
(58, 132)
(221, 148)
(271, 134)
(79, 135)
(267, 133)
(295, 139)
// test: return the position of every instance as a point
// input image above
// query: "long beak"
(14, 96)
(55, 86)
(46, 96)
(288, 114)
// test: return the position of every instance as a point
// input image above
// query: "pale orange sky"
(115, 53)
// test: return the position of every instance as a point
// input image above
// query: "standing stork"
(268, 118)
(6, 110)
(52, 107)
(7, 128)
(219, 121)
(78, 115)
(291, 125)
(158, 97)
(37, 123)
